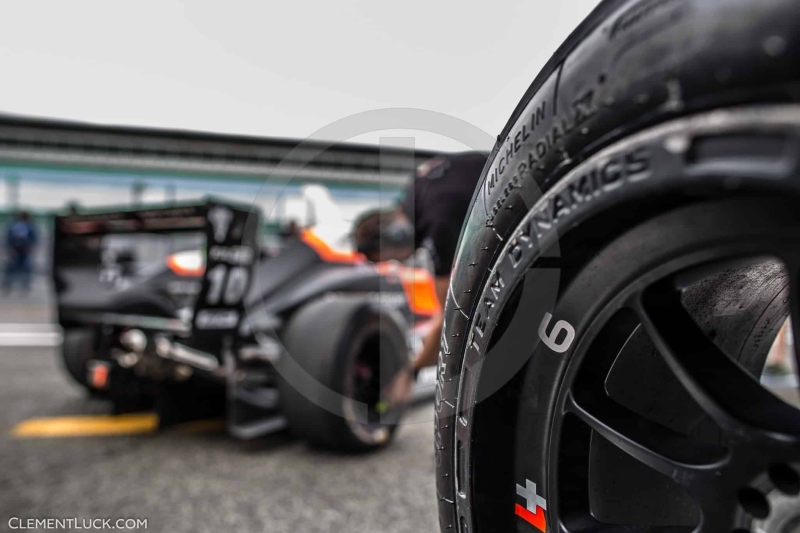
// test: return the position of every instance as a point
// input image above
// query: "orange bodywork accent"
(326, 253)
(418, 285)
(183, 270)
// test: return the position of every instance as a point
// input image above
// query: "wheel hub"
(782, 503)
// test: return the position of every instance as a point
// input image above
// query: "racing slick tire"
(346, 375)
(631, 253)
(76, 351)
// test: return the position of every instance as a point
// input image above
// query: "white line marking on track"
(36, 334)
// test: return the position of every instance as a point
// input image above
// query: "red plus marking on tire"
(535, 506)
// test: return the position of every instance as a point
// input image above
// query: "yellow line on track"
(86, 426)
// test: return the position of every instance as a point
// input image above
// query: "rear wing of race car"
(81, 262)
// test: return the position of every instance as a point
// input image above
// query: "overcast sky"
(276, 68)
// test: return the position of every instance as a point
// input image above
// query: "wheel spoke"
(588, 524)
(687, 461)
(727, 392)
(671, 453)
(717, 513)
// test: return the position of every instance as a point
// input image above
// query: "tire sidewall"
(629, 65)
(77, 349)
(644, 170)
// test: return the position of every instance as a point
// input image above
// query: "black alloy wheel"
(672, 432)
(616, 375)
(628, 262)
(662, 418)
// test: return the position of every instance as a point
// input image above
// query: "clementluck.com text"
(17, 523)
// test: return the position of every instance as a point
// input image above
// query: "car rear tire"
(658, 145)
(76, 351)
(342, 353)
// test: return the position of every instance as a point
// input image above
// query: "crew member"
(20, 241)
(436, 204)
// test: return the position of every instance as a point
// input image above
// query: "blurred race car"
(177, 308)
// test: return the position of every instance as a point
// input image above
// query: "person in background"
(21, 239)
(380, 235)
(436, 204)
(290, 230)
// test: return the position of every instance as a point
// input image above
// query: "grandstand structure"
(49, 165)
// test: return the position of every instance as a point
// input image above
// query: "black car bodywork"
(205, 335)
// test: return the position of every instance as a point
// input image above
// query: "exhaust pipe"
(185, 355)
(134, 340)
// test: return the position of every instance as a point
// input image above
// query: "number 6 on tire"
(550, 340)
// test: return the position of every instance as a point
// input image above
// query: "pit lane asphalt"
(200, 481)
